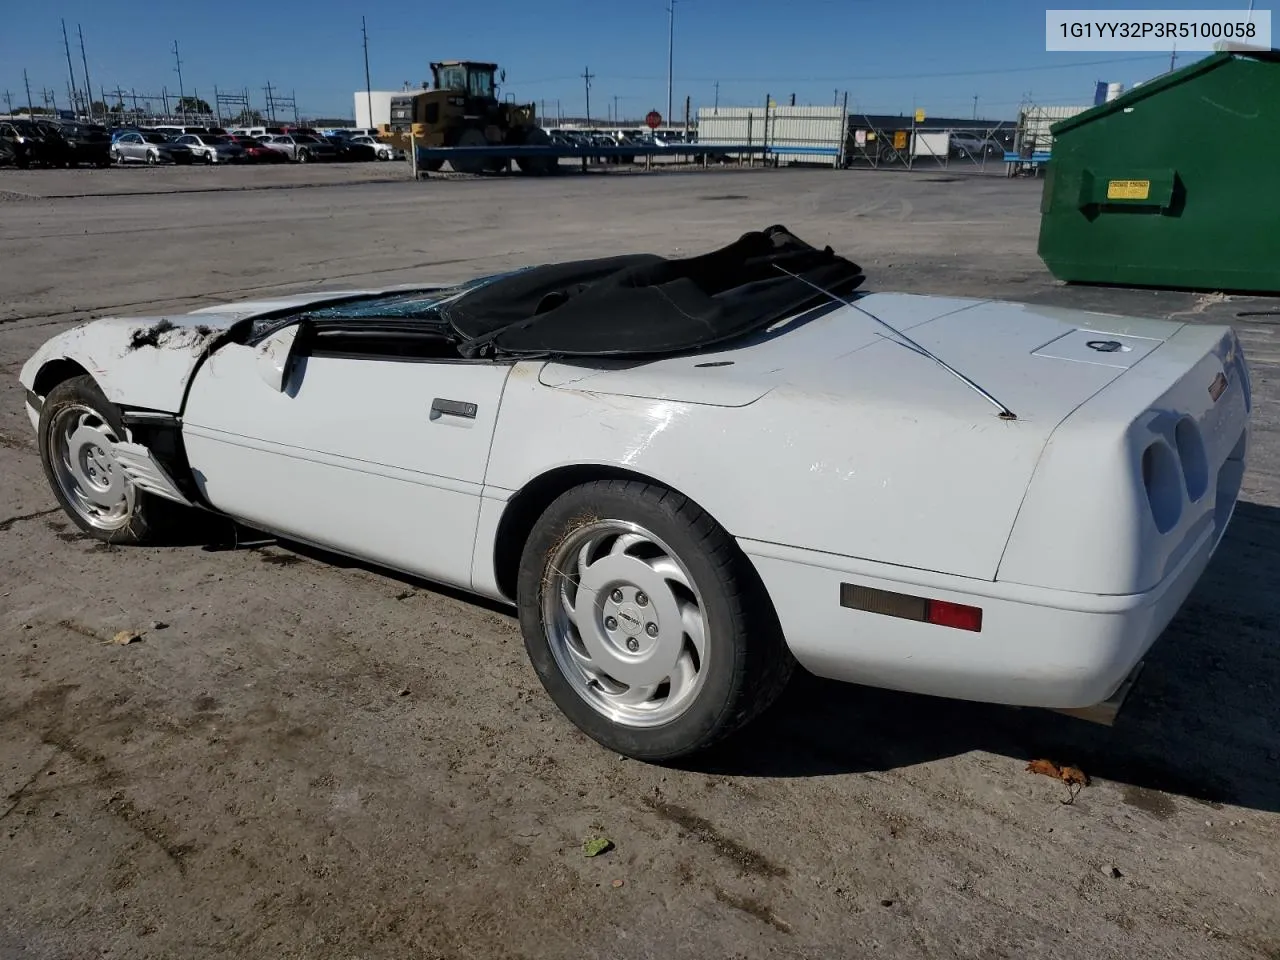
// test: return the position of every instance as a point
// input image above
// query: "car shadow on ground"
(1203, 721)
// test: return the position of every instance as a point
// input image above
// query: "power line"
(182, 96)
(66, 45)
(368, 86)
(88, 86)
(906, 76)
(671, 47)
(587, 77)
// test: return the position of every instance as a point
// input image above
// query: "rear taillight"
(957, 615)
(1162, 480)
(1194, 460)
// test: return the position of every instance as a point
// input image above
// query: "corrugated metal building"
(792, 134)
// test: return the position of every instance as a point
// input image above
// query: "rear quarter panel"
(877, 480)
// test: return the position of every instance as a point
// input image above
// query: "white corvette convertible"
(688, 474)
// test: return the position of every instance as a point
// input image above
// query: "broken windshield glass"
(409, 305)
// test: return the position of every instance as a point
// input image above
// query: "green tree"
(193, 105)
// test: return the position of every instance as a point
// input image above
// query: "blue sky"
(887, 55)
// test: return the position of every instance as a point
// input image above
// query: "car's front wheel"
(153, 158)
(77, 429)
(644, 621)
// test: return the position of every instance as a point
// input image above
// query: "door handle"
(452, 408)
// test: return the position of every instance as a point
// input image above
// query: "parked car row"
(47, 143)
(39, 142)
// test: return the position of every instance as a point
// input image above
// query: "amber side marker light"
(943, 613)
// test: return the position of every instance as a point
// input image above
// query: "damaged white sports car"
(688, 474)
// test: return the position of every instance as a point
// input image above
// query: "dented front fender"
(137, 362)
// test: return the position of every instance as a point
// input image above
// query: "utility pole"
(66, 45)
(617, 117)
(271, 107)
(975, 106)
(368, 86)
(88, 86)
(716, 108)
(27, 83)
(835, 97)
(587, 77)
(182, 96)
(1173, 58)
(8, 102)
(671, 47)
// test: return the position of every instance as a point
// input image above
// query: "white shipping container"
(381, 106)
(794, 134)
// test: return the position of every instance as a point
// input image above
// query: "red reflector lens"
(954, 615)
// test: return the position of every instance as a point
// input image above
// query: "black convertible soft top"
(645, 304)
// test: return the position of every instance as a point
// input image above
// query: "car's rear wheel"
(645, 623)
(78, 426)
(303, 156)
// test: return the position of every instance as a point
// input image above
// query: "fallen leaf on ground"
(126, 636)
(1073, 775)
(596, 846)
(1046, 767)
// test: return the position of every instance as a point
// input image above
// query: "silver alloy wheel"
(87, 472)
(625, 623)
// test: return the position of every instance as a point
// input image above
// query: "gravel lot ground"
(317, 759)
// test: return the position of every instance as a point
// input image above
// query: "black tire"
(152, 159)
(748, 661)
(152, 519)
(303, 156)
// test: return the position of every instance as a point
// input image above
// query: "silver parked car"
(148, 147)
(382, 151)
(212, 147)
(301, 147)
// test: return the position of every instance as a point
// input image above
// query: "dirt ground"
(309, 758)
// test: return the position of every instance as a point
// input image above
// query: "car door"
(130, 147)
(192, 143)
(356, 449)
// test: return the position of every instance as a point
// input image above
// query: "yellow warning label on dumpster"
(1128, 189)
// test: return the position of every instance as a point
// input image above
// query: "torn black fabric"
(645, 304)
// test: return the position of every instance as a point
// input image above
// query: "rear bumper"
(1037, 647)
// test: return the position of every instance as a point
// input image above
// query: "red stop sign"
(653, 120)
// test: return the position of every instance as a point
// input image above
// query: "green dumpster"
(1173, 184)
